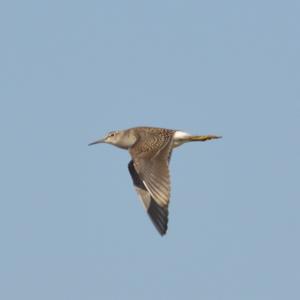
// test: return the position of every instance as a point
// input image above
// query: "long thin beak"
(97, 142)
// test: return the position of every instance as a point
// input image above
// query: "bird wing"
(157, 214)
(151, 161)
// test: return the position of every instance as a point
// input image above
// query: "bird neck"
(126, 139)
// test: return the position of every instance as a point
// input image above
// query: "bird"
(150, 149)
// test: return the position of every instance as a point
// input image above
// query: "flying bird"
(150, 149)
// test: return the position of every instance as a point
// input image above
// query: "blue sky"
(71, 223)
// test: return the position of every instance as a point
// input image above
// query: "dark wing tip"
(159, 217)
(157, 214)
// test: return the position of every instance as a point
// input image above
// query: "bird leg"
(201, 138)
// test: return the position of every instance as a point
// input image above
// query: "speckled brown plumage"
(150, 149)
(150, 155)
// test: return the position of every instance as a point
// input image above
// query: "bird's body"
(150, 149)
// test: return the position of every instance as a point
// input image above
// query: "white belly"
(179, 138)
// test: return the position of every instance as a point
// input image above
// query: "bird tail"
(202, 138)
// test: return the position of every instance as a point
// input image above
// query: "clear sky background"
(71, 223)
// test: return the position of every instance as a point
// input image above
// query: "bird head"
(117, 138)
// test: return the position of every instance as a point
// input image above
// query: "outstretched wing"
(158, 214)
(151, 161)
